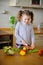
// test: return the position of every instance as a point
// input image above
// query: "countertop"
(9, 31)
(30, 59)
(38, 32)
(3, 32)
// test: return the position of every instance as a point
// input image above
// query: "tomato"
(40, 52)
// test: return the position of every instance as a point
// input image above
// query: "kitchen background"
(11, 10)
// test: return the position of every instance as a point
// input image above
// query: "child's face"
(26, 19)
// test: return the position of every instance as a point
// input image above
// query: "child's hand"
(32, 46)
(24, 43)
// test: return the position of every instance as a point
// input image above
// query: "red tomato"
(24, 50)
(40, 52)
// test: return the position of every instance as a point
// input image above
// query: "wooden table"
(38, 32)
(30, 59)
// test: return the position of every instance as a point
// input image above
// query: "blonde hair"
(27, 12)
(19, 15)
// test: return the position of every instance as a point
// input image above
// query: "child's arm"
(24, 42)
(17, 34)
(32, 38)
(17, 31)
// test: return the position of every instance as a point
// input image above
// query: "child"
(24, 31)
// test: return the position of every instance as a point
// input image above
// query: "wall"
(4, 18)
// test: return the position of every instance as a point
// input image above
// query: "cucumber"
(33, 51)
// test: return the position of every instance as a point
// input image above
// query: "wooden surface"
(38, 32)
(30, 59)
(11, 32)
(3, 32)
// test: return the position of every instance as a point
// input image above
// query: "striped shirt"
(24, 32)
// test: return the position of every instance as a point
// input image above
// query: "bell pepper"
(22, 52)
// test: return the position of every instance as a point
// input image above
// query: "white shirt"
(25, 32)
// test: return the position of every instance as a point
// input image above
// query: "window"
(36, 2)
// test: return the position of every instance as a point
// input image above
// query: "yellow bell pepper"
(22, 52)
